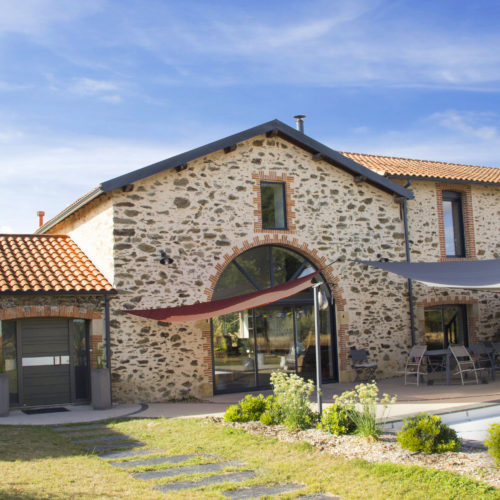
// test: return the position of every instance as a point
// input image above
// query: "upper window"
(273, 205)
(453, 224)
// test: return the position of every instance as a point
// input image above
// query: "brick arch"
(49, 311)
(311, 254)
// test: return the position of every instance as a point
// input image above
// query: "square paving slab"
(188, 469)
(231, 477)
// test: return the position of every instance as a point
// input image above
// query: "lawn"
(37, 462)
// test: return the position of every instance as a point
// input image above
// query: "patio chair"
(414, 364)
(465, 363)
(481, 355)
(362, 366)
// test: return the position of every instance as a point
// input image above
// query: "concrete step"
(188, 469)
(258, 491)
(116, 455)
(173, 459)
(75, 428)
(230, 477)
(113, 446)
(103, 439)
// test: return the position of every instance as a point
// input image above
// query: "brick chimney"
(40, 218)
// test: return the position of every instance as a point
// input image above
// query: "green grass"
(37, 462)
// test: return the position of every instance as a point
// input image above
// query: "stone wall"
(202, 215)
(483, 308)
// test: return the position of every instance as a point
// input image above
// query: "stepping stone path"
(117, 448)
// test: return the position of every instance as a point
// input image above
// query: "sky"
(94, 89)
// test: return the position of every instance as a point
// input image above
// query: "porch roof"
(47, 264)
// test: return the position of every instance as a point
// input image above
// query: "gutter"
(408, 259)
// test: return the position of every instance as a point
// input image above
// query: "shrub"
(338, 419)
(428, 433)
(362, 406)
(291, 403)
(493, 442)
(248, 409)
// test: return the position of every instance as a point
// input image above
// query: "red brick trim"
(289, 202)
(312, 254)
(49, 311)
(458, 300)
(468, 218)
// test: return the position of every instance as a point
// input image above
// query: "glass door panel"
(275, 341)
(80, 359)
(234, 352)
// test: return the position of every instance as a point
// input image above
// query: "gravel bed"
(471, 462)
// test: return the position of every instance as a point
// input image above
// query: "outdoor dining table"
(442, 352)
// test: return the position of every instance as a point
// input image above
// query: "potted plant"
(100, 383)
(4, 388)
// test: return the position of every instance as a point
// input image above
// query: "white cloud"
(103, 89)
(34, 17)
(451, 136)
(6, 229)
(48, 173)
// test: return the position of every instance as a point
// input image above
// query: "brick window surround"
(468, 220)
(49, 312)
(287, 180)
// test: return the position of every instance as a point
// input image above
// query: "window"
(273, 205)
(453, 224)
(445, 325)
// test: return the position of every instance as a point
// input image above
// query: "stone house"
(253, 210)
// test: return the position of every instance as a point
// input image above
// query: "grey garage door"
(46, 373)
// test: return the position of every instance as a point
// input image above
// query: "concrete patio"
(437, 398)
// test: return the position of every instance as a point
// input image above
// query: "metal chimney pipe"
(40, 218)
(299, 122)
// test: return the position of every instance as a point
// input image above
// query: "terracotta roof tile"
(46, 263)
(391, 166)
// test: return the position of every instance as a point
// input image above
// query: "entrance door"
(45, 361)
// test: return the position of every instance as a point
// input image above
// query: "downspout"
(408, 259)
(107, 337)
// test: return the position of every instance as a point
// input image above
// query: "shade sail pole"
(318, 347)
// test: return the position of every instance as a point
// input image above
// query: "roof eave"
(284, 131)
(440, 179)
(92, 195)
(59, 292)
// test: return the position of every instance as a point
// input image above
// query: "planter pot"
(4, 395)
(100, 382)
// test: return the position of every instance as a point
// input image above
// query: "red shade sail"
(206, 310)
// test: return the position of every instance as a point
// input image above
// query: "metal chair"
(465, 363)
(414, 363)
(483, 357)
(361, 365)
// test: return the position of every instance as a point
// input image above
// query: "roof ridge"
(416, 159)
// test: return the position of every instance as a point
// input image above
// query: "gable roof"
(45, 263)
(271, 128)
(427, 170)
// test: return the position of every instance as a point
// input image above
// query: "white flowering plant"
(361, 403)
(292, 395)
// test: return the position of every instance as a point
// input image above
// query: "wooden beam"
(272, 133)
(127, 188)
(317, 157)
(230, 149)
(180, 168)
(358, 179)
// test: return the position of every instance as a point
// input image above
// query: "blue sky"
(90, 90)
